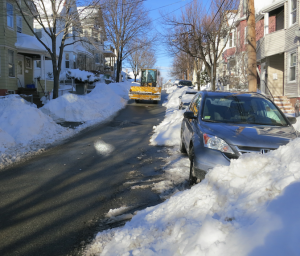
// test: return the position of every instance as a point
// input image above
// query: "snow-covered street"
(248, 208)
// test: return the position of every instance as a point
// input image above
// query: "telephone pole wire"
(251, 48)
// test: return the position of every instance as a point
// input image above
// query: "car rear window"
(241, 109)
(185, 83)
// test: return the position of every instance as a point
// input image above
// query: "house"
(18, 49)
(278, 49)
(110, 62)
(277, 23)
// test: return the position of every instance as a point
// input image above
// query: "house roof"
(30, 44)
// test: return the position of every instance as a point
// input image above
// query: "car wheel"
(182, 147)
(192, 178)
(137, 101)
(155, 101)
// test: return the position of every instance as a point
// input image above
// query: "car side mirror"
(189, 115)
(292, 119)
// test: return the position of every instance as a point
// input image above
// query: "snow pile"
(103, 101)
(168, 131)
(176, 174)
(23, 126)
(229, 213)
(297, 125)
(79, 75)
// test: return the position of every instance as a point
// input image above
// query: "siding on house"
(276, 74)
(291, 89)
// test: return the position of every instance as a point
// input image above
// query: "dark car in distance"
(183, 83)
(221, 126)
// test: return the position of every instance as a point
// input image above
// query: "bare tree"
(126, 22)
(61, 23)
(141, 57)
(182, 67)
(200, 34)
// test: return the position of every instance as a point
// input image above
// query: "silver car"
(221, 126)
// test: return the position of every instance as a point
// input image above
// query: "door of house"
(20, 70)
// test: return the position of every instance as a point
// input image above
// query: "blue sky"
(164, 60)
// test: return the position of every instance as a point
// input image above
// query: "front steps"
(284, 104)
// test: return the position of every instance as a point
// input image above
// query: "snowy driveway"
(55, 201)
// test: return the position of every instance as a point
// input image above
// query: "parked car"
(221, 126)
(186, 99)
(182, 83)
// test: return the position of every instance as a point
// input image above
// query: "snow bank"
(168, 131)
(297, 125)
(103, 101)
(248, 208)
(24, 127)
(80, 75)
(230, 213)
(26, 130)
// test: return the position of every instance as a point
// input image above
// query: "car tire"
(192, 177)
(182, 147)
(137, 101)
(155, 101)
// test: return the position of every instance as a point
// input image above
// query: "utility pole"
(251, 48)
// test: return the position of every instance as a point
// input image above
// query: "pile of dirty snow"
(23, 127)
(297, 124)
(168, 131)
(248, 208)
(102, 102)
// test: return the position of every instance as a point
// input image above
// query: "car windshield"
(241, 109)
(185, 83)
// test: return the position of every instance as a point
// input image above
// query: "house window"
(232, 39)
(19, 24)
(67, 60)
(97, 60)
(28, 63)
(10, 15)
(38, 64)
(293, 11)
(38, 32)
(11, 63)
(293, 59)
(74, 61)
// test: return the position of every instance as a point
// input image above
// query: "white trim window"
(74, 60)
(38, 32)
(292, 67)
(10, 15)
(38, 64)
(293, 12)
(19, 24)
(11, 63)
(232, 39)
(67, 59)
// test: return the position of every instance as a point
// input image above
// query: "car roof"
(232, 93)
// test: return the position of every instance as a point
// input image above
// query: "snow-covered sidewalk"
(26, 130)
(248, 208)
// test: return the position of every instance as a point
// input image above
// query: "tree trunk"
(135, 77)
(56, 83)
(118, 71)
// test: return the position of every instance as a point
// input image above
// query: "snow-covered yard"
(248, 208)
(26, 130)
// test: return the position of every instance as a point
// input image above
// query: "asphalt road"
(54, 203)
